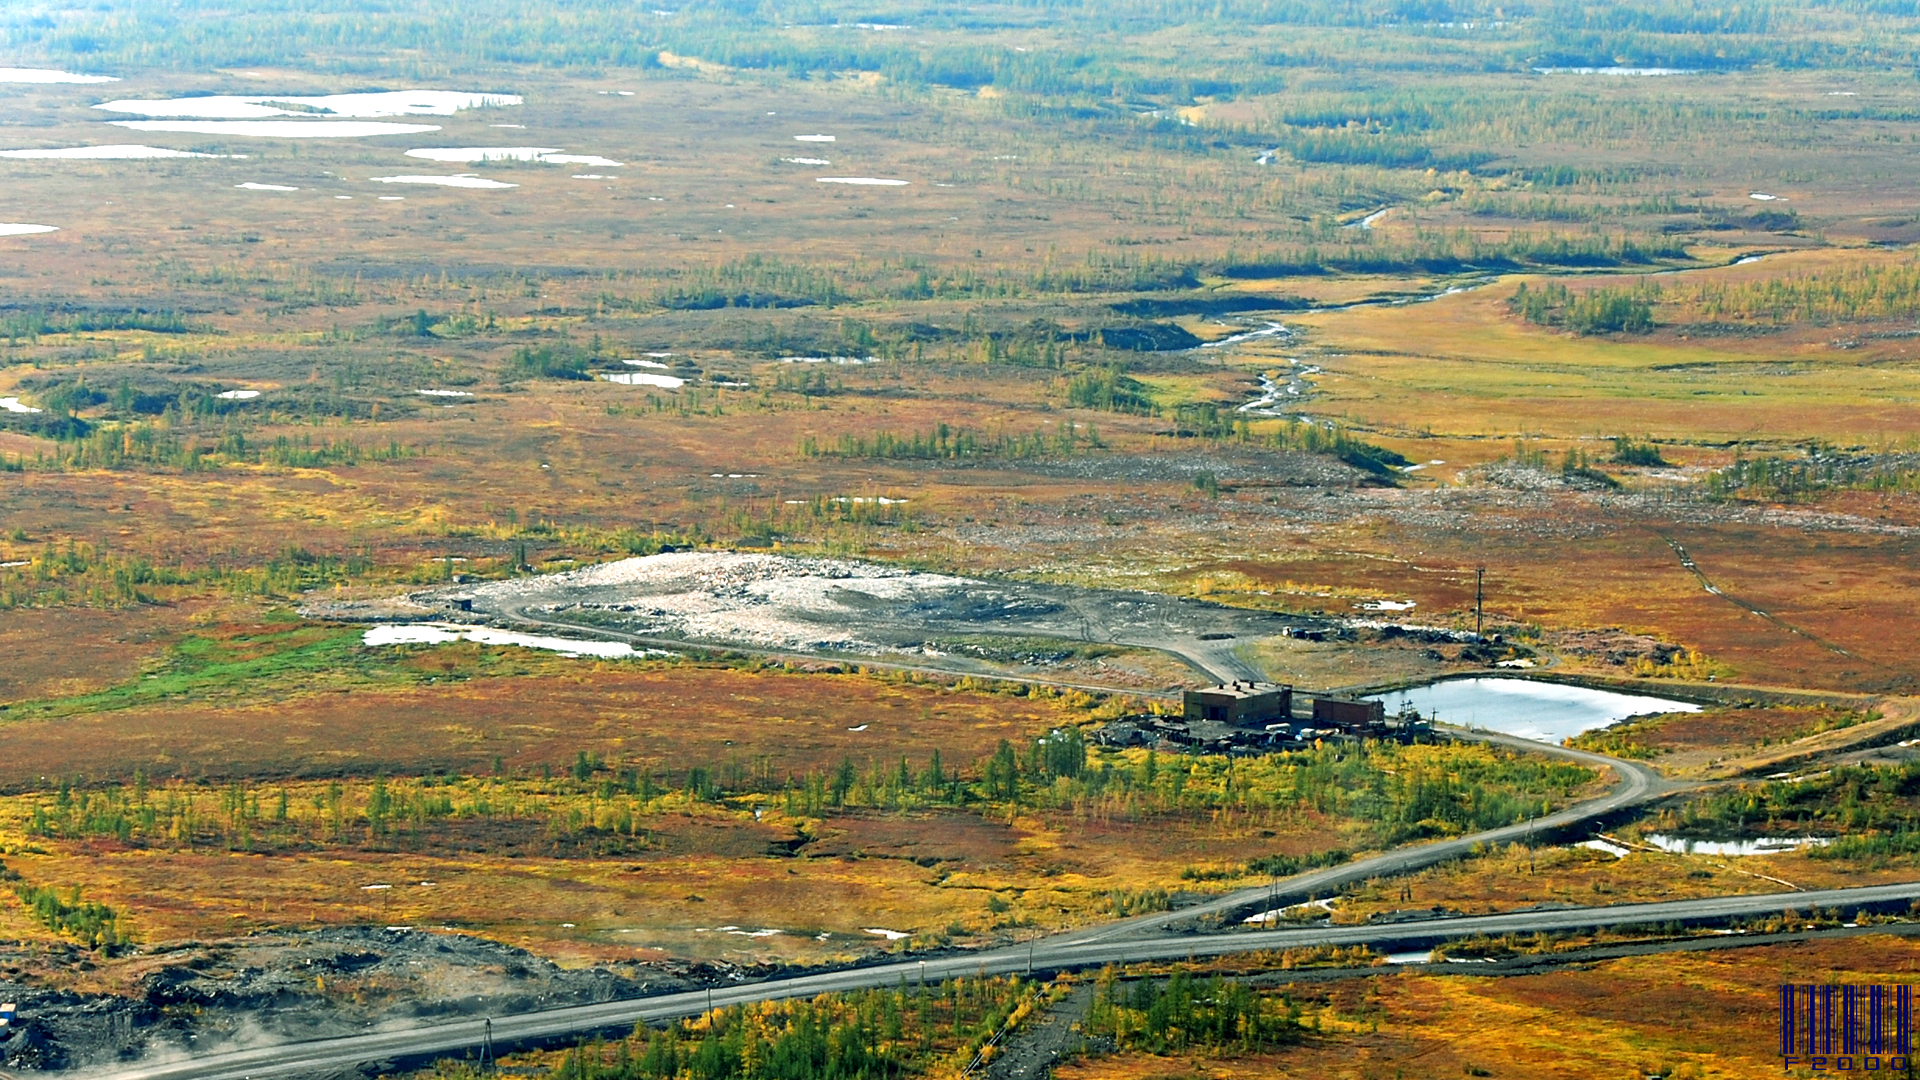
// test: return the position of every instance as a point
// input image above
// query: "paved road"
(1637, 784)
(1137, 939)
(1140, 938)
(342, 1054)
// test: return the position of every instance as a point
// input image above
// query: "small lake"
(1548, 712)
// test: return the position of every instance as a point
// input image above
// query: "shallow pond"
(49, 75)
(359, 105)
(1766, 845)
(115, 152)
(1549, 712)
(279, 129)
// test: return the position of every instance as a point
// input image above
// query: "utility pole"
(1479, 599)
(487, 1060)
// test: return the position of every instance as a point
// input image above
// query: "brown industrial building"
(1241, 704)
(1348, 712)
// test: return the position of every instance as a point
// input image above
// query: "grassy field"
(1687, 1015)
(184, 747)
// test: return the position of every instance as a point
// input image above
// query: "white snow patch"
(862, 727)
(861, 181)
(116, 152)
(461, 180)
(806, 161)
(255, 106)
(49, 75)
(445, 393)
(393, 198)
(251, 186)
(644, 378)
(1761, 196)
(14, 228)
(238, 395)
(443, 633)
(16, 562)
(813, 138)
(1388, 605)
(279, 129)
(12, 404)
(890, 935)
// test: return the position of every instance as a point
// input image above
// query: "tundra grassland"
(1261, 333)
(603, 810)
(1708, 1014)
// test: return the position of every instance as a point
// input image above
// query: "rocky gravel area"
(787, 603)
(1054, 1036)
(282, 987)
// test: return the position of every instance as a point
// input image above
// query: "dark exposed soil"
(934, 838)
(1031, 1052)
(276, 987)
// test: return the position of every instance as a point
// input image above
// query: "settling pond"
(1548, 712)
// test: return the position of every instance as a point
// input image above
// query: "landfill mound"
(785, 603)
(769, 601)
